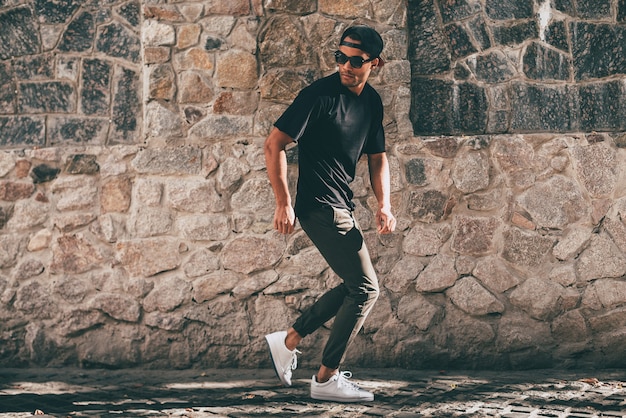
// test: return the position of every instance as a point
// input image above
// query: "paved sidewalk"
(256, 393)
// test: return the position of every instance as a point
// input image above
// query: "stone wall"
(136, 212)
(509, 66)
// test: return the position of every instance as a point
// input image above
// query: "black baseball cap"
(371, 42)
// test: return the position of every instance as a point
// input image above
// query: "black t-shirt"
(333, 128)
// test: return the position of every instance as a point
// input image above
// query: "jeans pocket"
(343, 219)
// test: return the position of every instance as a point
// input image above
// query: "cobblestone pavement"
(256, 393)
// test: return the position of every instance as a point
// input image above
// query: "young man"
(334, 121)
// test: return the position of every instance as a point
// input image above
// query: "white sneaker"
(284, 359)
(339, 389)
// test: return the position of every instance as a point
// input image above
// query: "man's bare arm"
(276, 163)
(381, 184)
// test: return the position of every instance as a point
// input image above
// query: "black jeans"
(339, 239)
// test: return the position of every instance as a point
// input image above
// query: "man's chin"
(348, 81)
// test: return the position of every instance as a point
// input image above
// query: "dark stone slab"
(498, 121)
(19, 35)
(55, 11)
(212, 43)
(509, 9)
(453, 10)
(556, 35)
(542, 108)
(6, 72)
(44, 173)
(478, 28)
(22, 130)
(427, 205)
(427, 50)
(130, 12)
(510, 35)
(5, 215)
(126, 106)
(34, 67)
(621, 11)
(594, 9)
(79, 35)
(415, 171)
(118, 41)
(494, 67)
(76, 130)
(444, 107)
(430, 103)
(459, 41)
(48, 97)
(103, 16)
(599, 50)
(99, 3)
(96, 92)
(82, 164)
(445, 147)
(469, 109)
(541, 63)
(461, 72)
(498, 96)
(602, 106)
(565, 6)
(7, 88)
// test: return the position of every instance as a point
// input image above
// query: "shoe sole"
(351, 400)
(278, 374)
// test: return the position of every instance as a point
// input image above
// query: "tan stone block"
(116, 195)
(237, 69)
(12, 191)
(236, 103)
(349, 9)
(147, 257)
(162, 84)
(191, 12)
(195, 59)
(74, 254)
(188, 35)
(168, 13)
(194, 88)
(40, 240)
(232, 7)
(156, 54)
(520, 220)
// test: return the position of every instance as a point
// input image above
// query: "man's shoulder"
(328, 83)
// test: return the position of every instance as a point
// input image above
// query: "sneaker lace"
(343, 380)
(294, 360)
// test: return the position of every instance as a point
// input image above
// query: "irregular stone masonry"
(497, 66)
(136, 213)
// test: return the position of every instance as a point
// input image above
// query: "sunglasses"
(355, 62)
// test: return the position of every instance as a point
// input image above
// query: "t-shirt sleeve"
(302, 111)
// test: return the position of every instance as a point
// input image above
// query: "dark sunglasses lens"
(340, 57)
(355, 62)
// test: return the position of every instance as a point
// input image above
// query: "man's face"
(355, 78)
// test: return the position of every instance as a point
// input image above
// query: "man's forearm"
(276, 163)
(380, 179)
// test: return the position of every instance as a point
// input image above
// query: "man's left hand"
(385, 221)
